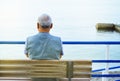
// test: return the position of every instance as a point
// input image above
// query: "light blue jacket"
(43, 46)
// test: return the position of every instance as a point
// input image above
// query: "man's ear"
(51, 25)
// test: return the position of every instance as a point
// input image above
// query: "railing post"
(69, 70)
(107, 64)
(107, 58)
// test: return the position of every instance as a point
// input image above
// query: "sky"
(72, 20)
(18, 17)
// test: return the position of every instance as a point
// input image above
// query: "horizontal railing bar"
(106, 61)
(12, 42)
(92, 42)
(69, 42)
(105, 75)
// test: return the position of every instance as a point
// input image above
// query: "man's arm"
(26, 51)
(27, 55)
(61, 56)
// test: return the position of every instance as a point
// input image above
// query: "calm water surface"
(74, 20)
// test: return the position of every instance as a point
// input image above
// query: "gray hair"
(45, 21)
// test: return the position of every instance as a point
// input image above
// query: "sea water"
(73, 20)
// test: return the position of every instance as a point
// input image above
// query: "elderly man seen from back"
(44, 46)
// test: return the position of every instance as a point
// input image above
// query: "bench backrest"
(45, 68)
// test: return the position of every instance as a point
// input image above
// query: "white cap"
(45, 21)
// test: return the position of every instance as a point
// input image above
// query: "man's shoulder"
(32, 37)
(37, 36)
(55, 37)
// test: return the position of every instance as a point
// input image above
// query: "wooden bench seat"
(63, 69)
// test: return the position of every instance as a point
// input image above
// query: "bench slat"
(31, 62)
(48, 75)
(77, 75)
(13, 74)
(83, 62)
(29, 75)
(82, 69)
(14, 68)
(14, 62)
(50, 68)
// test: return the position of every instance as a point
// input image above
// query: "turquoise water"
(74, 20)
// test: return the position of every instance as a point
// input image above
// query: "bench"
(63, 69)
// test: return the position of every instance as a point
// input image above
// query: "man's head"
(44, 23)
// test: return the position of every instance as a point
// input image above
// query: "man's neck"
(44, 30)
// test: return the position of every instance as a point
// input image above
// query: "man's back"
(44, 46)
